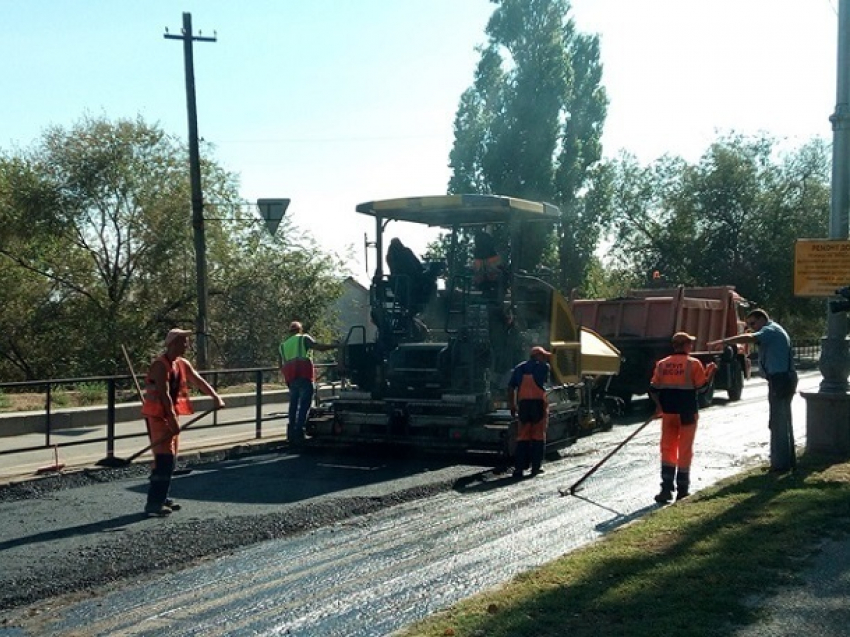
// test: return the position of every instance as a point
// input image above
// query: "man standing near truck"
(677, 380)
(777, 364)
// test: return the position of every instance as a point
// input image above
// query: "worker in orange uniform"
(166, 399)
(487, 269)
(675, 385)
(528, 403)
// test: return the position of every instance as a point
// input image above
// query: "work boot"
(683, 484)
(666, 494)
(157, 510)
(171, 504)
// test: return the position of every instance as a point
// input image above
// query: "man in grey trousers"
(777, 364)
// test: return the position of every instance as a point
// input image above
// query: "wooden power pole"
(195, 181)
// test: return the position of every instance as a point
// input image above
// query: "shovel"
(113, 461)
(572, 490)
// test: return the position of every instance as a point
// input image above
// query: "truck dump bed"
(641, 325)
(707, 313)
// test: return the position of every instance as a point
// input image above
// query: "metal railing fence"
(122, 403)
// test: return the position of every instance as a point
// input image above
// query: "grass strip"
(697, 568)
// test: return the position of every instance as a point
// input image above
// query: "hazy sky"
(332, 102)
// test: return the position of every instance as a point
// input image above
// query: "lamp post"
(834, 363)
(828, 409)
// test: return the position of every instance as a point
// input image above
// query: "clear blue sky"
(333, 103)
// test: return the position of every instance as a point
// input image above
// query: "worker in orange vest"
(527, 401)
(674, 388)
(166, 398)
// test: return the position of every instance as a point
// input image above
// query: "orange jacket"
(486, 269)
(176, 380)
(679, 371)
(676, 380)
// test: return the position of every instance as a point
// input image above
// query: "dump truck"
(450, 330)
(641, 324)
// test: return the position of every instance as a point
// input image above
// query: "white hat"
(175, 333)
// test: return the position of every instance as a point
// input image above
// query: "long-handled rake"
(572, 489)
(114, 461)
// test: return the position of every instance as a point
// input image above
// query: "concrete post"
(828, 410)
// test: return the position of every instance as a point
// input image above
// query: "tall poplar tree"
(530, 125)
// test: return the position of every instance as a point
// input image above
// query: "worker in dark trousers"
(528, 403)
(166, 398)
(675, 384)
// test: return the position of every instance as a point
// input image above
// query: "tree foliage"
(731, 218)
(96, 252)
(530, 125)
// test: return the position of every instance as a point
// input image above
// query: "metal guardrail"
(53, 416)
(807, 353)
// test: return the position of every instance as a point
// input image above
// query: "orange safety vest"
(486, 269)
(531, 399)
(679, 371)
(676, 380)
(175, 379)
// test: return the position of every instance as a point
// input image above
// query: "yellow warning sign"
(821, 266)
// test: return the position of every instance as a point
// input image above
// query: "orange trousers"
(677, 442)
(164, 441)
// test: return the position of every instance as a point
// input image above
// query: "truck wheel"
(736, 380)
(706, 397)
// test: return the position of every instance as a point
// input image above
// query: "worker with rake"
(166, 398)
(674, 388)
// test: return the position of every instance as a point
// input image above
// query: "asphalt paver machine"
(449, 331)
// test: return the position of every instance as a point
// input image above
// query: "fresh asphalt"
(819, 605)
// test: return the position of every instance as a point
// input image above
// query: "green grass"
(91, 393)
(692, 569)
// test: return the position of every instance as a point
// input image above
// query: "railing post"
(215, 412)
(258, 404)
(110, 418)
(47, 415)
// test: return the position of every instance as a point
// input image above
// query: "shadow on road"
(287, 478)
(115, 524)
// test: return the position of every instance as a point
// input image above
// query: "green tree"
(729, 219)
(530, 125)
(267, 282)
(96, 251)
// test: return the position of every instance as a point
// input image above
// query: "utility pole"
(195, 181)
